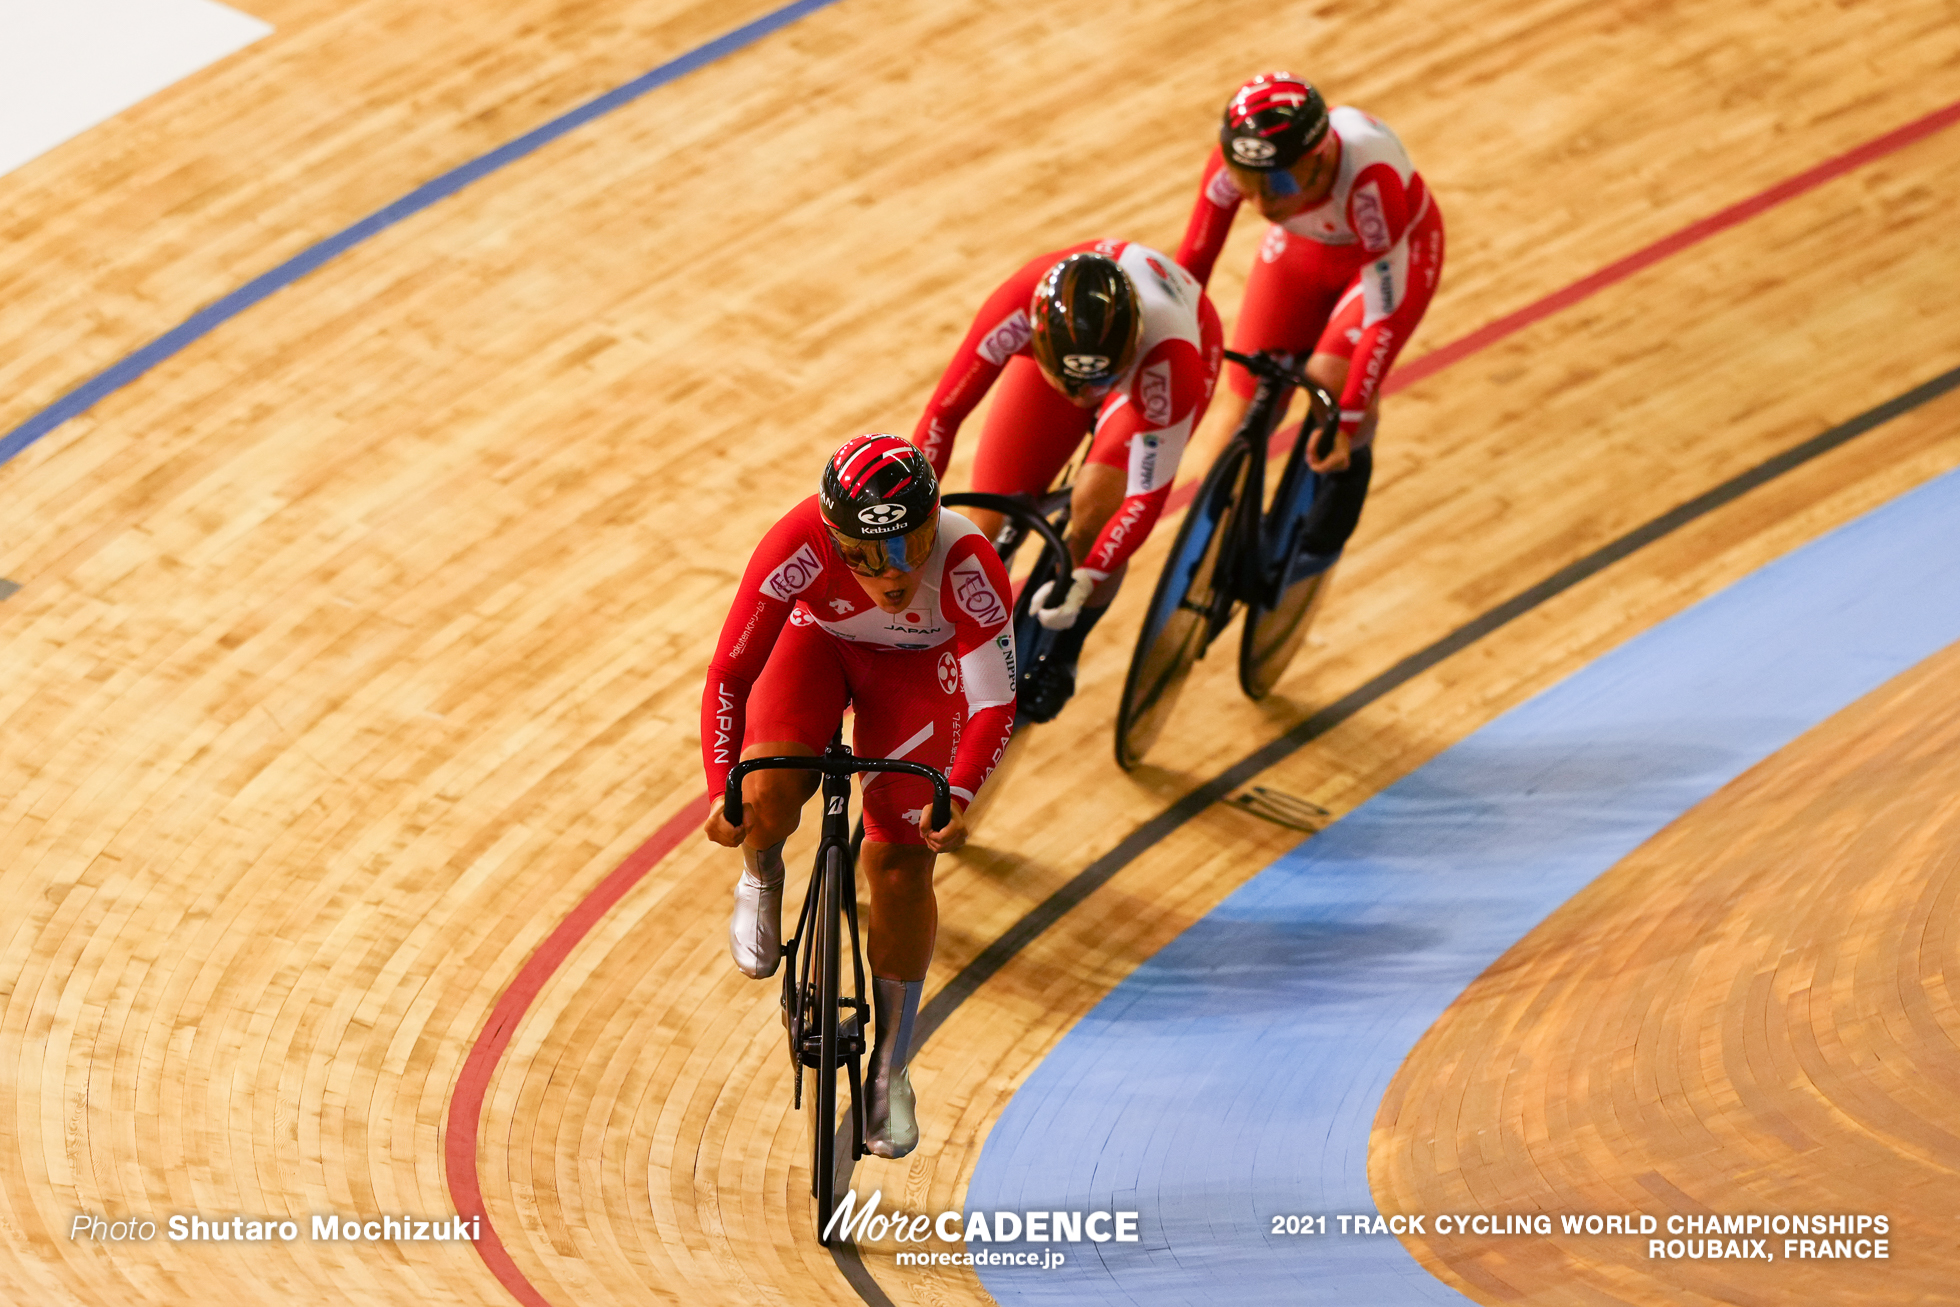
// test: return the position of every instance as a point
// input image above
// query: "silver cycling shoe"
(755, 929)
(891, 1118)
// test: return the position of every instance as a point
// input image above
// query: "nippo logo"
(1085, 365)
(949, 673)
(882, 514)
(1253, 150)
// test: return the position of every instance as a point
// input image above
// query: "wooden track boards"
(360, 640)
(1748, 1015)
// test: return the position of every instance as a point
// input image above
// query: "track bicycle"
(827, 1024)
(1231, 551)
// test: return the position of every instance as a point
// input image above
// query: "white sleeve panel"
(1385, 283)
(988, 671)
(1154, 456)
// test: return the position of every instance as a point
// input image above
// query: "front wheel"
(1191, 604)
(823, 1127)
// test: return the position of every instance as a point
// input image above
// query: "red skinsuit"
(1350, 276)
(1032, 429)
(933, 684)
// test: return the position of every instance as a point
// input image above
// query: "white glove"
(1063, 615)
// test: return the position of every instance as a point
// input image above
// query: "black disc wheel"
(1273, 635)
(1191, 604)
(823, 1128)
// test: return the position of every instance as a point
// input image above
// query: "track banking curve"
(463, 1119)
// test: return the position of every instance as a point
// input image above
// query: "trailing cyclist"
(1345, 271)
(1108, 339)
(872, 595)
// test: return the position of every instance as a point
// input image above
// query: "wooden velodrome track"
(360, 641)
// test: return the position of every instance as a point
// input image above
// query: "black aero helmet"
(1086, 323)
(1271, 121)
(880, 500)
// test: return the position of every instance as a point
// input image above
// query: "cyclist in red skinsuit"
(1057, 337)
(868, 594)
(1345, 271)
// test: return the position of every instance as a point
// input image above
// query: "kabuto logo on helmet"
(1252, 150)
(1271, 121)
(878, 485)
(1085, 365)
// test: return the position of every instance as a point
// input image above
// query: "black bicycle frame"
(1252, 549)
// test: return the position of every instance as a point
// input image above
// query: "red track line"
(473, 1082)
(1693, 234)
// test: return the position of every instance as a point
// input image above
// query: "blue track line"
(213, 315)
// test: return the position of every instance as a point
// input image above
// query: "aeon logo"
(795, 574)
(1007, 338)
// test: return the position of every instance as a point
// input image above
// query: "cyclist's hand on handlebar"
(1062, 615)
(1336, 459)
(718, 828)
(948, 837)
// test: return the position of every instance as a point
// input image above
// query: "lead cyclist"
(868, 593)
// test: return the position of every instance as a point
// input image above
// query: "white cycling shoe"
(755, 929)
(891, 1119)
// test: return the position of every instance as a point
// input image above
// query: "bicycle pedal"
(1281, 809)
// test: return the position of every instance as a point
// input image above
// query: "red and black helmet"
(878, 486)
(1271, 121)
(1087, 323)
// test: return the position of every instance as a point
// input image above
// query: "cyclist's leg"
(904, 710)
(1129, 470)
(1030, 431)
(1352, 359)
(1289, 294)
(794, 708)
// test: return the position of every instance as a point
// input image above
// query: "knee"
(1328, 371)
(985, 519)
(1081, 536)
(774, 800)
(898, 871)
(1099, 491)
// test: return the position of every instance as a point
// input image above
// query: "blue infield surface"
(1234, 1076)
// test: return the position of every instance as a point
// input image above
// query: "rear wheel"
(1273, 635)
(823, 1129)
(1293, 582)
(1191, 603)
